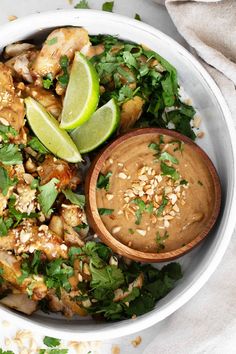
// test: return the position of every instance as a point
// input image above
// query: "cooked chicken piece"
(28, 238)
(56, 168)
(120, 294)
(71, 237)
(20, 65)
(65, 304)
(12, 50)
(130, 113)
(56, 225)
(72, 214)
(11, 106)
(52, 103)
(61, 41)
(12, 271)
(20, 302)
(93, 50)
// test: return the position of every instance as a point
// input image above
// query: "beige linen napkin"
(209, 27)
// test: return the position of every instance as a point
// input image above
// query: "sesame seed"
(141, 232)
(122, 175)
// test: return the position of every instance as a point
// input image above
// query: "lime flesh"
(47, 129)
(82, 93)
(98, 128)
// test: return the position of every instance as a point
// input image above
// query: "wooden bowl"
(97, 224)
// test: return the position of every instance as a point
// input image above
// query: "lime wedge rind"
(98, 128)
(82, 94)
(47, 129)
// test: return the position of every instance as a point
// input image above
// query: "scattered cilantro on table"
(137, 17)
(83, 4)
(108, 6)
(51, 342)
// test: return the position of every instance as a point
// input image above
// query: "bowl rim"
(51, 19)
(96, 221)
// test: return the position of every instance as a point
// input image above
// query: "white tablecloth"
(207, 323)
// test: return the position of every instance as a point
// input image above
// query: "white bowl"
(199, 264)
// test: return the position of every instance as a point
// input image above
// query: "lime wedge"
(82, 93)
(98, 128)
(47, 129)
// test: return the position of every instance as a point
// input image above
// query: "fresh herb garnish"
(10, 154)
(169, 171)
(5, 131)
(77, 199)
(34, 184)
(108, 6)
(200, 183)
(131, 231)
(81, 227)
(160, 240)
(64, 78)
(103, 181)
(36, 145)
(5, 181)
(5, 226)
(6, 351)
(51, 41)
(48, 81)
(161, 208)
(83, 4)
(142, 207)
(165, 156)
(137, 17)
(51, 342)
(15, 214)
(105, 211)
(183, 182)
(48, 195)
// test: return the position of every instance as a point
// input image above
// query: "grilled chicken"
(130, 113)
(15, 49)
(20, 65)
(12, 272)
(65, 304)
(29, 238)
(11, 106)
(20, 302)
(52, 103)
(61, 41)
(56, 168)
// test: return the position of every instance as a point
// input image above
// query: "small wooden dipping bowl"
(185, 208)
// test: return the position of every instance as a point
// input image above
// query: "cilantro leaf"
(6, 351)
(51, 342)
(10, 154)
(165, 156)
(137, 17)
(142, 207)
(77, 199)
(51, 41)
(5, 181)
(105, 211)
(36, 145)
(5, 131)
(83, 4)
(103, 181)
(109, 277)
(108, 6)
(160, 240)
(48, 195)
(5, 226)
(64, 78)
(169, 171)
(48, 81)
(162, 206)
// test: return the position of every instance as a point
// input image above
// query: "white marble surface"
(207, 323)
